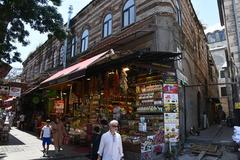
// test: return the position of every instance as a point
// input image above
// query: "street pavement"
(219, 135)
(24, 146)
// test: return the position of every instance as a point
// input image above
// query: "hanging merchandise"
(106, 87)
(116, 84)
(123, 81)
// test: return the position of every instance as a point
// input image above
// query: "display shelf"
(150, 82)
(150, 113)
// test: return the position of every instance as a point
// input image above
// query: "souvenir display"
(146, 107)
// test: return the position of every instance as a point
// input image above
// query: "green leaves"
(41, 15)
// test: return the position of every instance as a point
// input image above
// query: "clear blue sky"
(206, 11)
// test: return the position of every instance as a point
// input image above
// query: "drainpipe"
(65, 41)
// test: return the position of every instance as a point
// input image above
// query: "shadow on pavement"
(12, 141)
(2, 155)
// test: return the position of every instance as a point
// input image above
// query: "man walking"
(45, 135)
(111, 144)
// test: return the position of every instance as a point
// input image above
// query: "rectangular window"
(125, 20)
(222, 74)
(223, 91)
(105, 30)
(74, 48)
(110, 27)
(132, 18)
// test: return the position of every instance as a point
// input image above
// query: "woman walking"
(59, 132)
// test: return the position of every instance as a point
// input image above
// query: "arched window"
(74, 46)
(178, 13)
(55, 60)
(84, 41)
(61, 55)
(128, 13)
(107, 25)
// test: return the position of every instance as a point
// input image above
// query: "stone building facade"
(229, 11)
(219, 49)
(129, 26)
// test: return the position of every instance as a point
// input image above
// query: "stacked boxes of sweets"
(150, 97)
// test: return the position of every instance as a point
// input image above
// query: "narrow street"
(216, 135)
(26, 146)
(22, 145)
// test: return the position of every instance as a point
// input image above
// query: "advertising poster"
(170, 98)
(169, 78)
(170, 88)
(59, 106)
(15, 92)
(171, 127)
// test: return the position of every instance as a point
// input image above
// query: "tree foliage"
(41, 15)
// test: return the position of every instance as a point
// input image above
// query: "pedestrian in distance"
(22, 121)
(95, 142)
(45, 135)
(104, 126)
(110, 147)
(59, 132)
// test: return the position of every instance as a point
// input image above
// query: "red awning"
(9, 99)
(81, 66)
(8, 108)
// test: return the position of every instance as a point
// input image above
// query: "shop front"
(139, 90)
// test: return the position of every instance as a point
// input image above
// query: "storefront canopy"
(76, 71)
(9, 99)
(4, 69)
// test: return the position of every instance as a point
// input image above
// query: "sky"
(206, 10)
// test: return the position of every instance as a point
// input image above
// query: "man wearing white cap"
(110, 147)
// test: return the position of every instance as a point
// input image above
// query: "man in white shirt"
(45, 135)
(110, 147)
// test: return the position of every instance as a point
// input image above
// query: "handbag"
(65, 140)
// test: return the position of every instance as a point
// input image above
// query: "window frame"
(178, 12)
(74, 46)
(107, 23)
(223, 89)
(61, 54)
(128, 11)
(222, 74)
(84, 40)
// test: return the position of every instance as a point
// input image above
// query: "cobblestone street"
(25, 146)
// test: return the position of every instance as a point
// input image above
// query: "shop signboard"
(59, 106)
(169, 78)
(4, 89)
(15, 92)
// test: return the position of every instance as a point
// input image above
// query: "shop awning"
(9, 99)
(4, 69)
(8, 108)
(78, 70)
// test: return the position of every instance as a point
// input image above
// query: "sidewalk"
(25, 146)
(216, 134)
